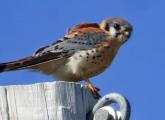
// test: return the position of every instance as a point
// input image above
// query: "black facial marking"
(107, 27)
(117, 26)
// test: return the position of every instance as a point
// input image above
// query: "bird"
(85, 51)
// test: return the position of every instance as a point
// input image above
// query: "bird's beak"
(128, 30)
(126, 33)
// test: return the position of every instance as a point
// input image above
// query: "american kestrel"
(85, 51)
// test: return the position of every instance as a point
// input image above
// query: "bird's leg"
(94, 90)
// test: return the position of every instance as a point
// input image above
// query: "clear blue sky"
(138, 71)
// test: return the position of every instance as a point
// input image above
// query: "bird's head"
(117, 27)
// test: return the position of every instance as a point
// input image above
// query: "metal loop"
(105, 104)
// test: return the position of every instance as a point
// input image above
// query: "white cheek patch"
(112, 31)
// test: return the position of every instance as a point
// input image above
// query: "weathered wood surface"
(45, 101)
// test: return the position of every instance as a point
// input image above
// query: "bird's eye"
(107, 27)
(117, 26)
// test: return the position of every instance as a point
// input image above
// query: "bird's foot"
(93, 89)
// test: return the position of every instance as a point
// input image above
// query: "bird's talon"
(93, 89)
(98, 89)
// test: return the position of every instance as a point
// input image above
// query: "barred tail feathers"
(15, 65)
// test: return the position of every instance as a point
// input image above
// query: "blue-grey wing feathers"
(55, 54)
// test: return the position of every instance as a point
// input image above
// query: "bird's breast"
(87, 63)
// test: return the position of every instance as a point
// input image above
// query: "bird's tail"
(16, 65)
(36, 63)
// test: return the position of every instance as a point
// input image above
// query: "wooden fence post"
(45, 101)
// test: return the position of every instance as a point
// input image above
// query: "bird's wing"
(82, 37)
(83, 25)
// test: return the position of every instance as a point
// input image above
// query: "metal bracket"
(103, 110)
